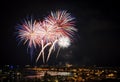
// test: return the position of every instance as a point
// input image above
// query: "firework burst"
(57, 28)
(29, 32)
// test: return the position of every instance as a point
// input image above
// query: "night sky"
(97, 41)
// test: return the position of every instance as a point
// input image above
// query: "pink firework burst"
(29, 32)
(62, 22)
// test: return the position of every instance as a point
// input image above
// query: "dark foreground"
(55, 80)
(59, 74)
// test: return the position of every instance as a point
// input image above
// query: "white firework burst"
(64, 42)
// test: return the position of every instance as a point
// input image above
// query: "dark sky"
(97, 23)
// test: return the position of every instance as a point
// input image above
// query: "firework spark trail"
(42, 51)
(58, 52)
(50, 50)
